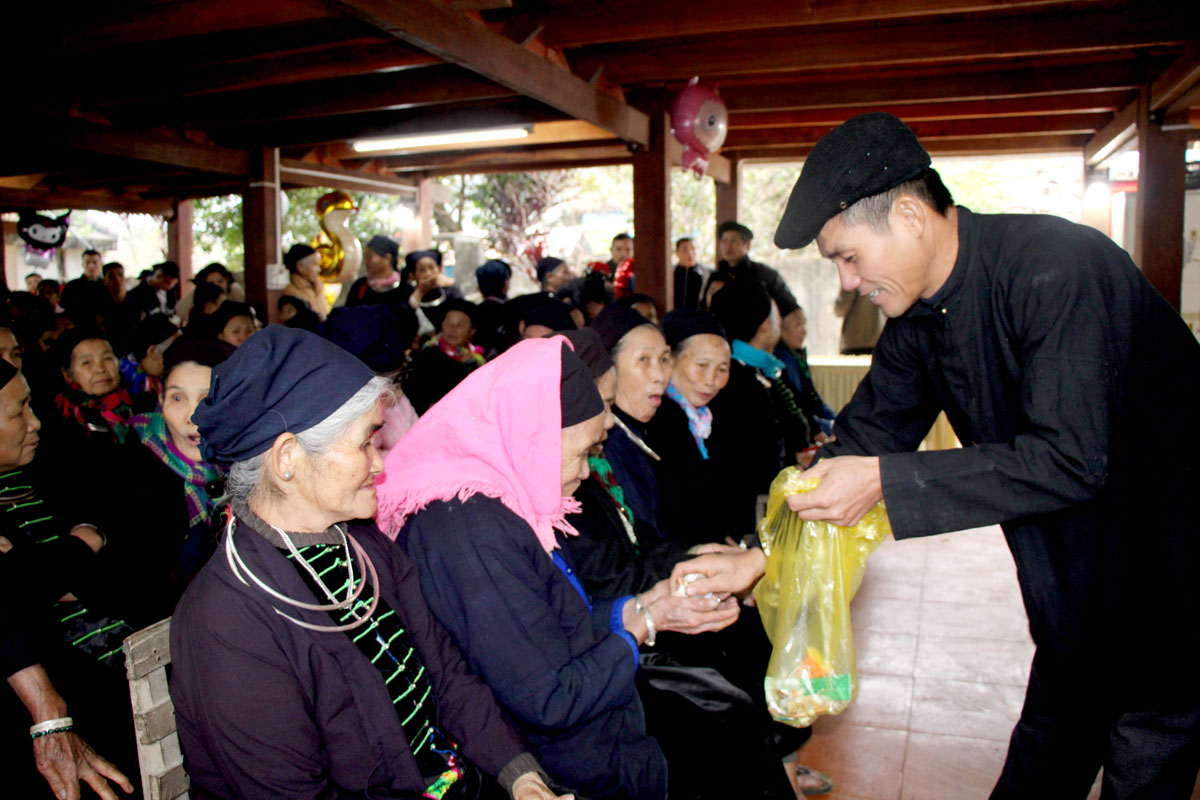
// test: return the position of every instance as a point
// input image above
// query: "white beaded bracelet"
(51, 724)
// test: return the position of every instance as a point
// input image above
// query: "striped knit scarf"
(114, 409)
(198, 477)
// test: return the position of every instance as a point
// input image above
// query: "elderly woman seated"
(477, 492)
(305, 661)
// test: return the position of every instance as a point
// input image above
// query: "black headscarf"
(205, 352)
(590, 350)
(294, 254)
(615, 321)
(683, 323)
(741, 307)
(281, 380)
(379, 335)
(7, 373)
(553, 314)
(577, 392)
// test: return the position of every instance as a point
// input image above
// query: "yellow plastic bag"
(813, 571)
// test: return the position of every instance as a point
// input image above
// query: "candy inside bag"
(813, 571)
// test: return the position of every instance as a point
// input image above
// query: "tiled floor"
(943, 656)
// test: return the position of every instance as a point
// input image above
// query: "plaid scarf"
(113, 409)
(198, 477)
(699, 419)
(471, 355)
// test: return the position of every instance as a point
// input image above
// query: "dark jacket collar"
(945, 296)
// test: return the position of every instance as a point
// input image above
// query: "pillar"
(179, 240)
(652, 214)
(729, 196)
(260, 228)
(1158, 241)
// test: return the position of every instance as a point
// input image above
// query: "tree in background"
(217, 222)
(511, 208)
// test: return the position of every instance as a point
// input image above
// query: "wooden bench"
(147, 654)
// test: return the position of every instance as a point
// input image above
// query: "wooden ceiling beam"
(582, 24)
(304, 173)
(100, 28)
(42, 200)
(1049, 143)
(345, 127)
(916, 43)
(1172, 84)
(1062, 124)
(383, 91)
(458, 39)
(825, 91)
(52, 133)
(506, 156)
(260, 70)
(1110, 101)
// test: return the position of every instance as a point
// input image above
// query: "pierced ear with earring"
(287, 476)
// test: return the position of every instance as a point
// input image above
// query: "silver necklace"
(637, 440)
(238, 566)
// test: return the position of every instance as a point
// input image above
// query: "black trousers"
(1066, 734)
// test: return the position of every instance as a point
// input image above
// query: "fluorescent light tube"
(434, 139)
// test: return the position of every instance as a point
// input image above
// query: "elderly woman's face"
(456, 329)
(185, 387)
(702, 368)
(237, 331)
(310, 267)
(93, 367)
(643, 369)
(340, 483)
(577, 442)
(10, 348)
(18, 426)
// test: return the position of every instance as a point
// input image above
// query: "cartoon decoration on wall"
(700, 121)
(341, 254)
(43, 233)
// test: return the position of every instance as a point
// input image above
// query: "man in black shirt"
(1072, 385)
(733, 242)
(690, 276)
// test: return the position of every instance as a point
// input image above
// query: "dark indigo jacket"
(556, 667)
(267, 709)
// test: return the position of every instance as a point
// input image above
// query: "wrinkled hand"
(694, 614)
(715, 547)
(64, 760)
(443, 280)
(850, 487)
(531, 787)
(724, 573)
(5, 544)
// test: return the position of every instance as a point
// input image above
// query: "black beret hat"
(614, 322)
(590, 350)
(294, 254)
(281, 380)
(385, 247)
(862, 157)
(736, 227)
(553, 314)
(683, 323)
(741, 307)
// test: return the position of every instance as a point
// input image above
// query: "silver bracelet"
(651, 630)
(51, 724)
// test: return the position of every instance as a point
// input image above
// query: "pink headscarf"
(497, 433)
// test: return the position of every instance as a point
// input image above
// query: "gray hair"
(873, 211)
(246, 477)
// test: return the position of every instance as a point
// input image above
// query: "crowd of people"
(151, 433)
(416, 546)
